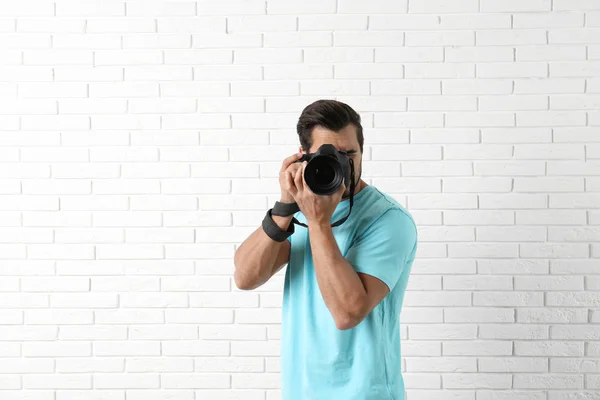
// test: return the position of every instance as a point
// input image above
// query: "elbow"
(240, 282)
(241, 285)
(346, 322)
(349, 319)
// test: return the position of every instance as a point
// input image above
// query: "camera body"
(327, 168)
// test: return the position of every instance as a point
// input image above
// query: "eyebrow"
(351, 151)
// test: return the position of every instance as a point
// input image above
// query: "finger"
(304, 184)
(289, 180)
(292, 168)
(298, 178)
(289, 161)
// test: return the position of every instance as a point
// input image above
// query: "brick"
(369, 38)
(407, 152)
(551, 315)
(483, 250)
(443, 6)
(478, 54)
(267, 56)
(74, 9)
(568, 69)
(168, 9)
(477, 86)
(571, 168)
(352, 87)
(512, 70)
(545, 20)
(485, 119)
(477, 348)
(510, 234)
(442, 234)
(273, 88)
(297, 39)
(548, 381)
(407, 22)
(209, 24)
(476, 185)
(548, 184)
(432, 299)
(297, 71)
(516, 6)
(513, 364)
(513, 331)
(510, 37)
(444, 201)
(550, 53)
(475, 21)
(480, 381)
(436, 103)
(307, 7)
(316, 55)
(52, 381)
(548, 348)
(574, 36)
(477, 151)
(404, 185)
(41, 9)
(440, 38)
(400, 87)
(432, 331)
(483, 314)
(112, 25)
(444, 136)
(441, 364)
(549, 86)
(372, 7)
(236, 7)
(333, 23)
(409, 54)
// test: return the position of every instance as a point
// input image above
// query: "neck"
(360, 186)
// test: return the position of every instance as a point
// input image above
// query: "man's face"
(343, 140)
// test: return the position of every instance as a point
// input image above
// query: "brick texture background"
(140, 143)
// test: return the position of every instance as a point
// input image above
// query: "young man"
(344, 285)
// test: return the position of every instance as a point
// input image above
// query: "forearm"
(340, 286)
(255, 257)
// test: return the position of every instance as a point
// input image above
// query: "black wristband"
(285, 209)
(274, 231)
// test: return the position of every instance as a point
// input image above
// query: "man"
(344, 285)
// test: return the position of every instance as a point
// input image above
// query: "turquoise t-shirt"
(321, 362)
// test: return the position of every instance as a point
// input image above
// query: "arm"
(259, 257)
(342, 289)
(376, 260)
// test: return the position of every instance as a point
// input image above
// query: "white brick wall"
(140, 143)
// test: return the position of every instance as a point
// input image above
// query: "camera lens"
(323, 175)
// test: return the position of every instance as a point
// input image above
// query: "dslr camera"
(327, 168)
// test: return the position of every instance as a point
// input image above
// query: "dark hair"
(331, 114)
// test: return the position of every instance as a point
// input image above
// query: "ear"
(300, 149)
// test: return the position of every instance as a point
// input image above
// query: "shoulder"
(384, 212)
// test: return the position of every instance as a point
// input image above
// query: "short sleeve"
(385, 247)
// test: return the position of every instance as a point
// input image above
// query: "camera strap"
(287, 209)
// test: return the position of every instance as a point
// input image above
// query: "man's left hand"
(318, 209)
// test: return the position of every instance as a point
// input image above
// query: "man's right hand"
(287, 173)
